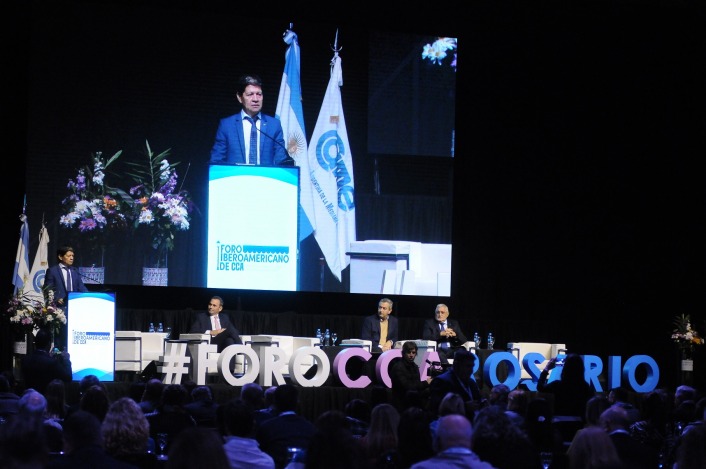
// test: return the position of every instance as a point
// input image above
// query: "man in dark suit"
(64, 277)
(381, 328)
(235, 133)
(446, 332)
(41, 366)
(217, 324)
(287, 429)
(457, 379)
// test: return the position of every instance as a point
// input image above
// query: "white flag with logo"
(331, 165)
(21, 273)
(33, 287)
(291, 114)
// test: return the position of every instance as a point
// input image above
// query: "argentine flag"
(290, 113)
(331, 164)
(21, 274)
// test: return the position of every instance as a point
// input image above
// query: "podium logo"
(237, 257)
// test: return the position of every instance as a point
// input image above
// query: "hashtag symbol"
(174, 363)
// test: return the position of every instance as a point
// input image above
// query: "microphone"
(289, 162)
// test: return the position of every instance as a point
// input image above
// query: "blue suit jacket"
(371, 330)
(229, 146)
(54, 280)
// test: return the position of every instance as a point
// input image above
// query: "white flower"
(69, 219)
(164, 172)
(146, 217)
(98, 178)
(83, 206)
(436, 52)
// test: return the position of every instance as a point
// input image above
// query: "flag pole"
(335, 43)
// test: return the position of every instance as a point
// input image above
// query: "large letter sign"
(271, 361)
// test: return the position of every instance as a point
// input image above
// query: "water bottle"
(327, 338)
(160, 327)
(476, 339)
(169, 331)
(491, 341)
(320, 337)
(151, 327)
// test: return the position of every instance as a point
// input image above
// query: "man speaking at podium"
(64, 277)
(250, 137)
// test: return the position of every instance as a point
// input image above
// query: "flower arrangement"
(684, 336)
(93, 208)
(159, 207)
(437, 51)
(26, 314)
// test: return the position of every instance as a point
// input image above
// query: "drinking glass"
(546, 458)
(334, 338)
(162, 442)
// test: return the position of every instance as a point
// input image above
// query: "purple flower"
(87, 224)
(170, 185)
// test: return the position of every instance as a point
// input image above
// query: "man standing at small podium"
(62, 279)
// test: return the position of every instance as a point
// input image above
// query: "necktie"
(69, 283)
(252, 156)
(216, 322)
(445, 342)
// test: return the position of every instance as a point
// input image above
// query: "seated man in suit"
(217, 324)
(381, 328)
(446, 332)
